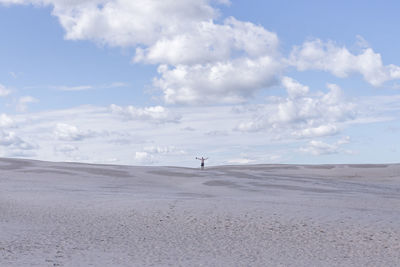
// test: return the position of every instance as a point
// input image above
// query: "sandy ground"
(68, 214)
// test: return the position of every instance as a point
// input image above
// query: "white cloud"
(156, 114)
(144, 157)
(343, 140)
(328, 56)
(68, 132)
(302, 114)
(74, 88)
(4, 91)
(255, 158)
(154, 154)
(316, 147)
(89, 87)
(294, 88)
(23, 102)
(14, 142)
(124, 22)
(115, 85)
(322, 130)
(209, 42)
(6, 121)
(223, 82)
(171, 144)
(11, 143)
(163, 150)
(202, 66)
(241, 161)
(361, 42)
(201, 61)
(9, 2)
(163, 143)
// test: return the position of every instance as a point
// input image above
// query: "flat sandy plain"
(70, 214)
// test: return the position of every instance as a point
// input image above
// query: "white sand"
(65, 214)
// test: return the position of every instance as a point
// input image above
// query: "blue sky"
(160, 82)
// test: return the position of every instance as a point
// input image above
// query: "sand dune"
(70, 214)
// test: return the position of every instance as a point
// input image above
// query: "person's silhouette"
(202, 161)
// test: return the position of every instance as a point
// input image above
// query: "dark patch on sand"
(75, 190)
(260, 167)
(47, 171)
(320, 167)
(367, 165)
(280, 167)
(174, 174)
(294, 188)
(97, 171)
(12, 164)
(241, 175)
(193, 195)
(222, 183)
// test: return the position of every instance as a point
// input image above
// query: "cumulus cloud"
(201, 61)
(68, 132)
(130, 23)
(12, 141)
(322, 130)
(203, 66)
(156, 114)
(338, 60)
(303, 114)
(209, 42)
(329, 107)
(9, 2)
(316, 147)
(231, 81)
(6, 121)
(294, 88)
(125, 22)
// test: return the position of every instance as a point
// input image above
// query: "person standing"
(202, 161)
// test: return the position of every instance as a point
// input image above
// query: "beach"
(73, 214)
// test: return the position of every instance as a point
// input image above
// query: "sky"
(149, 82)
